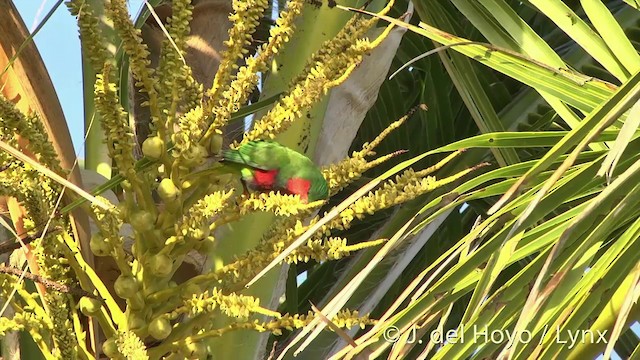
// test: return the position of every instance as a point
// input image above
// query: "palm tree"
(523, 257)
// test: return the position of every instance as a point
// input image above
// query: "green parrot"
(269, 166)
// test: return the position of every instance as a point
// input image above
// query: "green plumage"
(262, 161)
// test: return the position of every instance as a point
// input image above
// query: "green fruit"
(189, 290)
(89, 306)
(154, 287)
(160, 265)
(98, 245)
(196, 157)
(142, 221)
(195, 350)
(167, 190)
(156, 238)
(110, 348)
(126, 287)
(136, 302)
(135, 322)
(215, 145)
(160, 328)
(153, 148)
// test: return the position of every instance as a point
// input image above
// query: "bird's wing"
(264, 155)
(235, 156)
(319, 187)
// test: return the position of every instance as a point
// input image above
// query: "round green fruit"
(89, 306)
(136, 302)
(98, 245)
(126, 287)
(154, 287)
(216, 144)
(160, 328)
(153, 148)
(196, 157)
(189, 290)
(195, 350)
(135, 322)
(167, 190)
(142, 221)
(110, 348)
(161, 265)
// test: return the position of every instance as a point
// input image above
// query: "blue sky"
(59, 47)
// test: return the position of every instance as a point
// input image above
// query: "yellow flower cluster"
(332, 248)
(356, 27)
(63, 333)
(344, 319)
(245, 19)
(233, 276)
(22, 321)
(189, 94)
(186, 150)
(36, 313)
(195, 223)
(109, 220)
(138, 53)
(279, 204)
(172, 70)
(13, 122)
(403, 188)
(23, 183)
(348, 319)
(118, 133)
(289, 107)
(38, 195)
(130, 346)
(341, 174)
(92, 39)
(232, 305)
(329, 68)
(247, 76)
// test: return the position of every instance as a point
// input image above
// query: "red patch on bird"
(299, 186)
(264, 179)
